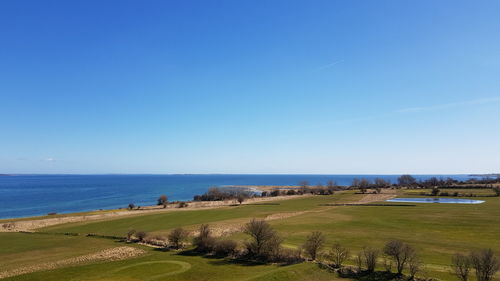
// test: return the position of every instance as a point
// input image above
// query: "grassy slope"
(436, 230)
(18, 249)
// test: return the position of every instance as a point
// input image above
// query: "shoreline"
(30, 224)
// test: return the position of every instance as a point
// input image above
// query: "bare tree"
(331, 184)
(370, 255)
(407, 180)
(485, 264)
(313, 244)
(400, 252)
(338, 254)
(177, 237)
(240, 199)
(204, 242)
(262, 235)
(381, 183)
(359, 261)
(461, 266)
(163, 200)
(414, 265)
(304, 184)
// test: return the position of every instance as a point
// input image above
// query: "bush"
(313, 244)
(131, 206)
(338, 255)
(163, 200)
(130, 234)
(140, 235)
(204, 242)
(265, 243)
(182, 204)
(225, 248)
(461, 266)
(485, 264)
(370, 255)
(177, 238)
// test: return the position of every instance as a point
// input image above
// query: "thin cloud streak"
(449, 105)
(329, 65)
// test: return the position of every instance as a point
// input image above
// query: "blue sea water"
(33, 195)
(436, 200)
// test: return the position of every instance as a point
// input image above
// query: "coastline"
(30, 224)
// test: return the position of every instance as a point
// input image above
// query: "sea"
(36, 195)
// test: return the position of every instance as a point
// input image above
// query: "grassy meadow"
(435, 230)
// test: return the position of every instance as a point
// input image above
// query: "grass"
(435, 230)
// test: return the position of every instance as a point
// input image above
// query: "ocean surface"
(34, 195)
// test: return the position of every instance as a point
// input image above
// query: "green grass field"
(435, 230)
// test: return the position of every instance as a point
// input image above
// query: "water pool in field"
(436, 200)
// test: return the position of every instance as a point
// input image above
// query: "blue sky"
(250, 87)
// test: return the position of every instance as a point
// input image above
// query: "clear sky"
(250, 86)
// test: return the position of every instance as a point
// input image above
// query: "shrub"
(290, 192)
(265, 241)
(140, 235)
(461, 266)
(130, 234)
(485, 264)
(497, 190)
(225, 248)
(131, 206)
(435, 191)
(163, 200)
(338, 254)
(204, 243)
(182, 204)
(313, 244)
(370, 255)
(177, 237)
(291, 256)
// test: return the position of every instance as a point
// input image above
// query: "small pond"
(436, 200)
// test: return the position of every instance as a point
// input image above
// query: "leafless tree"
(262, 235)
(331, 184)
(204, 242)
(313, 244)
(240, 199)
(177, 237)
(400, 252)
(461, 266)
(163, 200)
(414, 265)
(407, 180)
(359, 261)
(381, 183)
(370, 255)
(338, 254)
(485, 264)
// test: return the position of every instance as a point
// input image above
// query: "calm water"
(31, 195)
(436, 200)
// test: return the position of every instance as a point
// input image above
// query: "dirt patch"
(113, 254)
